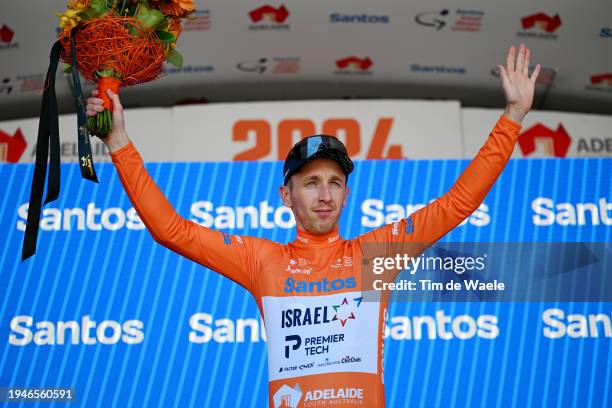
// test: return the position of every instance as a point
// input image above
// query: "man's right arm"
(231, 256)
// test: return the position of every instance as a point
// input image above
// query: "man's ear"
(346, 196)
(285, 195)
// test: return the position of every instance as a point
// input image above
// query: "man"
(325, 343)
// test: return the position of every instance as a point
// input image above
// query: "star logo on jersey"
(345, 311)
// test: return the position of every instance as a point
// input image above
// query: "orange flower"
(180, 8)
(174, 27)
(65, 32)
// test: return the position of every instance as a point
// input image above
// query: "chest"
(297, 272)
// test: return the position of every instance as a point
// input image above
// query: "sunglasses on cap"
(316, 147)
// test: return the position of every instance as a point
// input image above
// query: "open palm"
(517, 84)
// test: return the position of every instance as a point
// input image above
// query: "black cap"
(316, 147)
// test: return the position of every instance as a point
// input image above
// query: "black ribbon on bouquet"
(85, 158)
(48, 146)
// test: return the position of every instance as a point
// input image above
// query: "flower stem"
(101, 124)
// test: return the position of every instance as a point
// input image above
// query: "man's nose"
(325, 194)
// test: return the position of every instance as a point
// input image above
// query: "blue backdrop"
(170, 323)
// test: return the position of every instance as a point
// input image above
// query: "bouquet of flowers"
(121, 43)
(114, 43)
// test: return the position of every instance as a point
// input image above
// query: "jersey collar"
(305, 238)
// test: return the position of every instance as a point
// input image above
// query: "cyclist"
(325, 344)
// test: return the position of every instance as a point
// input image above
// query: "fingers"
(526, 63)
(518, 62)
(520, 59)
(503, 73)
(534, 75)
(510, 59)
(115, 99)
(94, 101)
(92, 112)
(94, 105)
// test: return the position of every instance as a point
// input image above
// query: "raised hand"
(117, 138)
(517, 84)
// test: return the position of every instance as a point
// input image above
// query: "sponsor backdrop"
(371, 130)
(150, 128)
(266, 131)
(292, 49)
(545, 134)
(104, 309)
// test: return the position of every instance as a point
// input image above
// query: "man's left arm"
(436, 219)
(432, 222)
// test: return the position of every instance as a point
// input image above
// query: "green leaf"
(175, 58)
(149, 19)
(164, 25)
(88, 14)
(105, 73)
(99, 6)
(165, 37)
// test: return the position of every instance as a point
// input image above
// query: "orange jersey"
(324, 338)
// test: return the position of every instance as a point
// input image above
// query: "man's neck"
(306, 237)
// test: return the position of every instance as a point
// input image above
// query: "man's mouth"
(323, 212)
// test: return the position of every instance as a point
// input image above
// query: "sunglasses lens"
(316, 144)
(312, 146)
